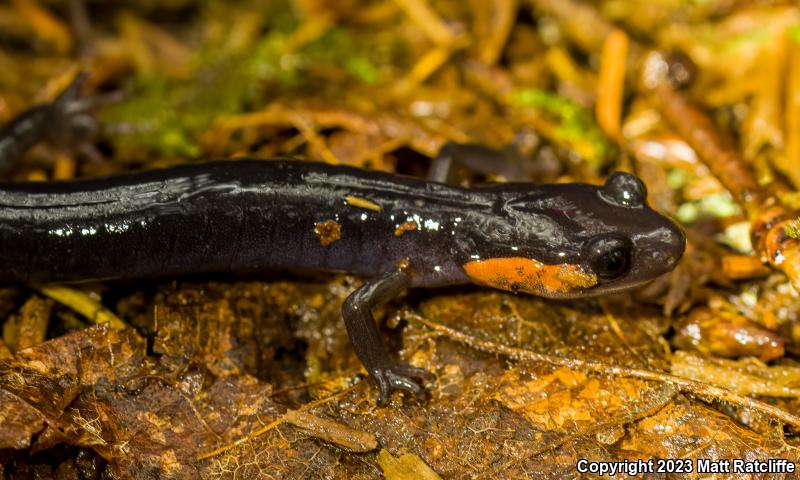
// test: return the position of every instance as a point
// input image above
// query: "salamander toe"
(399, 376)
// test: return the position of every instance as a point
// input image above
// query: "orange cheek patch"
(525, 275)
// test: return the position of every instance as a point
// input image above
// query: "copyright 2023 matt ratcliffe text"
(686, 465)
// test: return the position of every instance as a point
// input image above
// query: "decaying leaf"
(233, 376)
(405, 467)
(747, 377)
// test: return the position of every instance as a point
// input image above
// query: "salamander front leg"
(367, 341)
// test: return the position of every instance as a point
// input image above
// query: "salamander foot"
(399, 376)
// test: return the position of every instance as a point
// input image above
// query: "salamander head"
(574, 240)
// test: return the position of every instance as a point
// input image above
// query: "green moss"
(576, 130)
(166, 116)
(339, 47)
(759, 35)
(716, 206)
(794, 33)
(793, 228)
(677, 179)
(362, 69)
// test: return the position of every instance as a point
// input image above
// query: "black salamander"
(557, 241)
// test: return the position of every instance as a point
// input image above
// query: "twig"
(421, 13)
(684, 384)
(83, 304)
(713, 148)
(497, 28)
(271, 425)
(611, 83)
(791, 165)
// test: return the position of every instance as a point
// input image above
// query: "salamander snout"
(674, 246)
(658, 250)
(623, 260)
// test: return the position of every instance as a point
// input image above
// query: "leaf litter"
(246, 378)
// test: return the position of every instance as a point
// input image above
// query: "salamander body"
(558, 240)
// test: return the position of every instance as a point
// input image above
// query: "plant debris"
(254, 377)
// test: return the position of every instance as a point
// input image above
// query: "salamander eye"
(609, 256)
(625, 190)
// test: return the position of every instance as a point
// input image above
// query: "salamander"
(556, 240)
